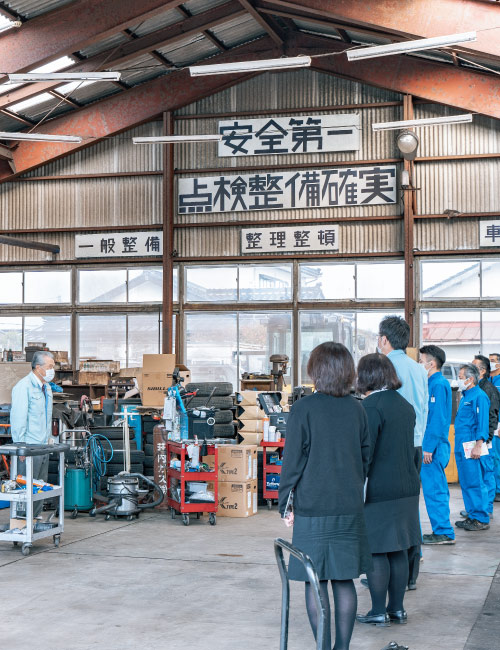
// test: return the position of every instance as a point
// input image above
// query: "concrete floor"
(157, 584)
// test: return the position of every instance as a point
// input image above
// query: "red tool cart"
(270, 469)
(178, 450)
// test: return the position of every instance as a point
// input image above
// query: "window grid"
(469, 262)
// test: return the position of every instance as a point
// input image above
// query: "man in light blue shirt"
(31, 414)
(393, 339)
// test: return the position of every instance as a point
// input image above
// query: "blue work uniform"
(31, 412)
(471, 423)
(495, 451)
(434, 482)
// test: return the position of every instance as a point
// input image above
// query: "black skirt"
(393, 525)
(337, 545)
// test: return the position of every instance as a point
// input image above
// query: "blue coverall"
(496, 443)
(434, 482)
(472, 423)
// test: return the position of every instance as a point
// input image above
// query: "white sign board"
(119, 244)
(293, 239)
(288, 135)
(489, 233)
(312, 188)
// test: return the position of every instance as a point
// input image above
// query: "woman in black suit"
(392, 492)
(325, 463)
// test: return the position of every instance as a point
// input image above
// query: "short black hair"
(396, 330)
(484, 363)
(438, 354)
(376, 371)
(331, 367)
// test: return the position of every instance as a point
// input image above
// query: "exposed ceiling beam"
(26, 243)
(6, 154)
(207, 33)
(143, 103)
(9, 13)
(18, 118)
(415, 19)
(71, 28)
(266, 24)
(137, 46)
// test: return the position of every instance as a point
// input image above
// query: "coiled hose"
(98, 457)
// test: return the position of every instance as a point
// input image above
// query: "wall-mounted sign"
(120, 244)
(282, 135)
(291, 239)
(313, 188)
(489, 233)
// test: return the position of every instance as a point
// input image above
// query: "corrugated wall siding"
(446, 234)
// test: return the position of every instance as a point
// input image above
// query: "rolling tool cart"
(178, 474)
(24, 499)
(271, 471)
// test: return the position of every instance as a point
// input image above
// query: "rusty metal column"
(168, 236)
(408, 235)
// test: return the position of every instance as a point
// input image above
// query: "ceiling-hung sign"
(119, 244)
(300, 134)
(290, 239)
(312, 188)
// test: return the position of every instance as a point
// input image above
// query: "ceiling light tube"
(251, 66)
(64, 76)
(410, 46)
(38, 137)
(428, 121)
(172, 139)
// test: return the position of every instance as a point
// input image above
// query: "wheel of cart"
(26, 549)
(212, 518)
(269, 504)
(185, 519)
(57, 540)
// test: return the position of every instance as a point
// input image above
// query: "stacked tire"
(148, 425)
(221, 400)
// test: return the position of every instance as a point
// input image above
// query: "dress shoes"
(400, 617)
(380, 620)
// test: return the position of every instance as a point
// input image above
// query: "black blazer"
(326, 456)
(393, 472)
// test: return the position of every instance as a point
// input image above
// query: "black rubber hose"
(156, 488)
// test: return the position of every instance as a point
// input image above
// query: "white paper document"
(469, 446)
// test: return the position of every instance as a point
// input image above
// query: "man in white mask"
(31, 414)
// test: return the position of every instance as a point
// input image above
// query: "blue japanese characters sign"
(290, 239)
(288, 135)
(312, 188)
(119, 244)
(489, 233)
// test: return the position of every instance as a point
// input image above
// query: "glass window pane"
(103, 337)
(211, 283)
(11, 288)
(367, 326)
(491, 279)
(55, 331)
(146, 285)
(143, 337)
(382, 281)
(261, 282)
(491, 332)
(103, 286)
(211, 347)
(47, 286)
(449, 280)
(457, 332)
(11, 333)
(262, 335)
(326, 281)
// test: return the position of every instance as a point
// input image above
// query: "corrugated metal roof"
(32, 8)
(9, 124)
(238, 31)
(190, 50)
(157, 22)
(140, 69)
(199, 6)
(106, 44)
(314, 28)
(38, 111)
(92, 92)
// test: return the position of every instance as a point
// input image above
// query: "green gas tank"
(77, 490)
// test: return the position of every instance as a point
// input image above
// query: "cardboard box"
(129, 373)
(237, 462)
(247, 397)
(94, 378)
(60, 356)
(250, 426)
(248, 412)
(99, 365)
(237, 499)
(247, 438)
(157, 373)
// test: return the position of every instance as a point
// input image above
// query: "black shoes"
(437, 539)
(400, 617)
(412, 585)
(474, 524)
(497, 496)
(380, 620)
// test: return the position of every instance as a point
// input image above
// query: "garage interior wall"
(282, 304)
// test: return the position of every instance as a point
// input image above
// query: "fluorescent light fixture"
(64, 76)
(251, 66)
(172, 139)
(410, 46)
(431, 121)
(38, 137)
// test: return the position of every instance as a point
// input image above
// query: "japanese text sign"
(291, 239)
(489, 233)
(120, 244)
(313, 188)
(289, 135)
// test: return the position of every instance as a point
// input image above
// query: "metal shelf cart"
(33, 530)
(183, 475)
(269, 468)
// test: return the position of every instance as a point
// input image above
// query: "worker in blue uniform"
(471, 424)
(436, 448)
(495, 380)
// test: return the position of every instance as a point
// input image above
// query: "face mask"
(461, 385)
(49, 375)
